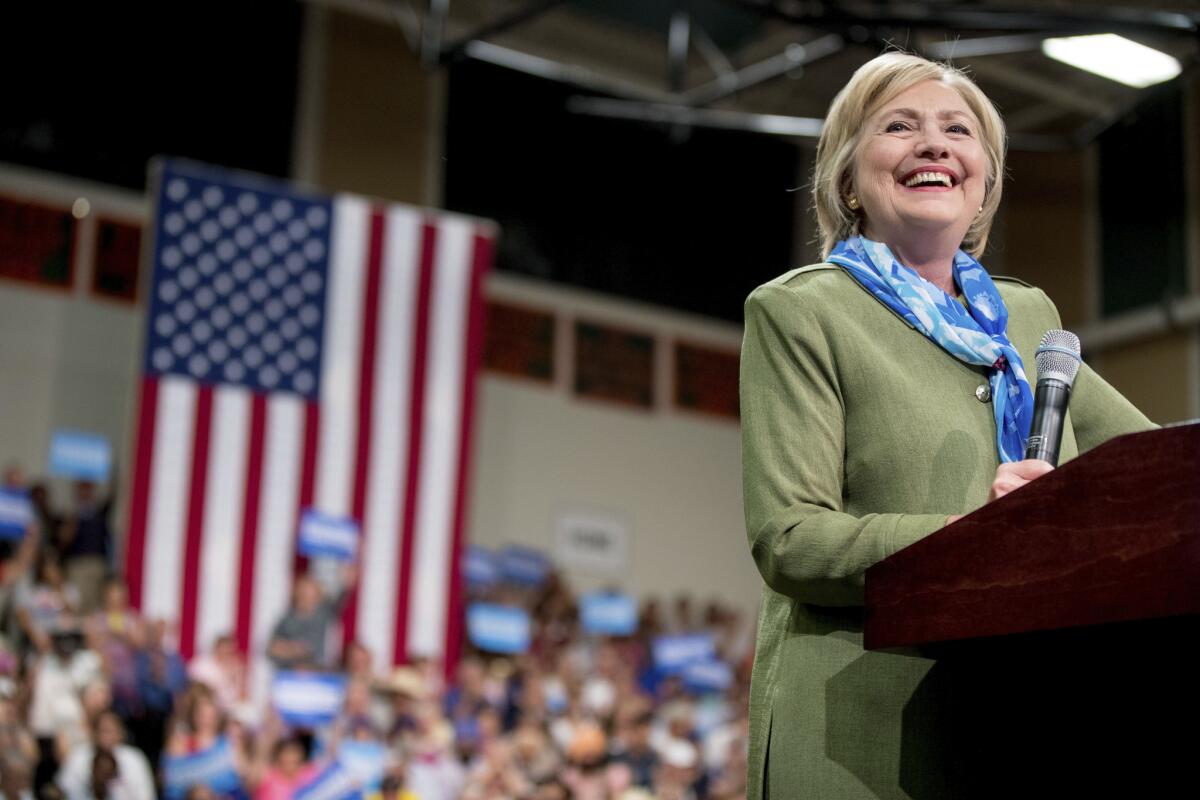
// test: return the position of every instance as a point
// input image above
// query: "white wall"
(69, 360)
(65, 362)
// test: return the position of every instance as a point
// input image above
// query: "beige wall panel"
(376, 112)
(1044, 228)
(1154, 374)
(674, 479)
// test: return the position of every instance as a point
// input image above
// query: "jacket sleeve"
(793, 446)
(1098, 411)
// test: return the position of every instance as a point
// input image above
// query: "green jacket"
(860, 435)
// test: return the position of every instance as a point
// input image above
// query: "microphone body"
(1049, 417)
(1058, 362)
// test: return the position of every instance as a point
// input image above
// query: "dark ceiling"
(622, 161)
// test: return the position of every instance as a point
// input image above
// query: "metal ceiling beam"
(457, 49)
(433, 27)
(985, 46)
(571, 74)
(679, 36)
(1037, 86)
(673, 114)
(712, 54)
(792, 57)
(808, 128)
(941, 16)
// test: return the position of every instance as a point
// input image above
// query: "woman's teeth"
(929, 177)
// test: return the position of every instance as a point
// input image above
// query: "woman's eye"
(956, 128)
(894, 127)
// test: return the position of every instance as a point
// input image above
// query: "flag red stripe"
(416, 415)
(135, 543)
(366, 395)
(308, 475)
(195, 522)
(481, 260)
(251, 501)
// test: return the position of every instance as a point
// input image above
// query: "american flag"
(304, 351)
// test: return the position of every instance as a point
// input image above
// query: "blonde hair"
(872, 85)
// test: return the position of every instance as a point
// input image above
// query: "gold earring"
(852, 202)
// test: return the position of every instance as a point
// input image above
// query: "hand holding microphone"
(1058, 363)
(1016, 474)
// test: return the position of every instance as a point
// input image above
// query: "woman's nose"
(933, 143)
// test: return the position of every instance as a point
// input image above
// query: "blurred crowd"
(96, 702)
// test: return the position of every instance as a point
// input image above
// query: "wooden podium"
(1065, 618)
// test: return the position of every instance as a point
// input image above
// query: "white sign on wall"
(593, 541)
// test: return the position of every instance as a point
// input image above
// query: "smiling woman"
(921, 175)
(884, 393)
(879, 99)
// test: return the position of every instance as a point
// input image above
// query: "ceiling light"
(1114, 57)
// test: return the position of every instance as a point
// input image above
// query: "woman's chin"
(921, 226)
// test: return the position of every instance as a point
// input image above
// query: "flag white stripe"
(389, 434)
(225, 487)
(170, 483)
(279, 487)
(440, 438)
(340, 358)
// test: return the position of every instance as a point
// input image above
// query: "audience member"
(223, 670)
(87, 544)
(299, 638)
(58, 676)
(132, 769)
(161, 679)
(115, 632)
(289, 770)
(49, 521)
(46, 605)
(18, 753)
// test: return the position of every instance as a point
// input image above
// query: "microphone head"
(1058, 356)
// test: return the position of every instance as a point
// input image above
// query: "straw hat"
(404, 680)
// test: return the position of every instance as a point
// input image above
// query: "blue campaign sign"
(673, 653)
(332, 783)
(366, 761)
(308, 699)
(214, 768)
(327, 536)
(608, 614)
(707, 676)
(498, 629)
(16, 512)
(85, 456)
(524, 565)
(480, 568)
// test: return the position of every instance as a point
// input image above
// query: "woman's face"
(921, 168)
(206, 716)
(291, 759)
(116, 598)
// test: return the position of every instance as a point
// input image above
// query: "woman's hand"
(1016, 474)
(1009, 477)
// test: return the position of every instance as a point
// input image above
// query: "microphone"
(1057, 364)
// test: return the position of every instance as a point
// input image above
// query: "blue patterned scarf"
(976, 335)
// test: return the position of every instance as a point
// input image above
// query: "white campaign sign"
(593, 541)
